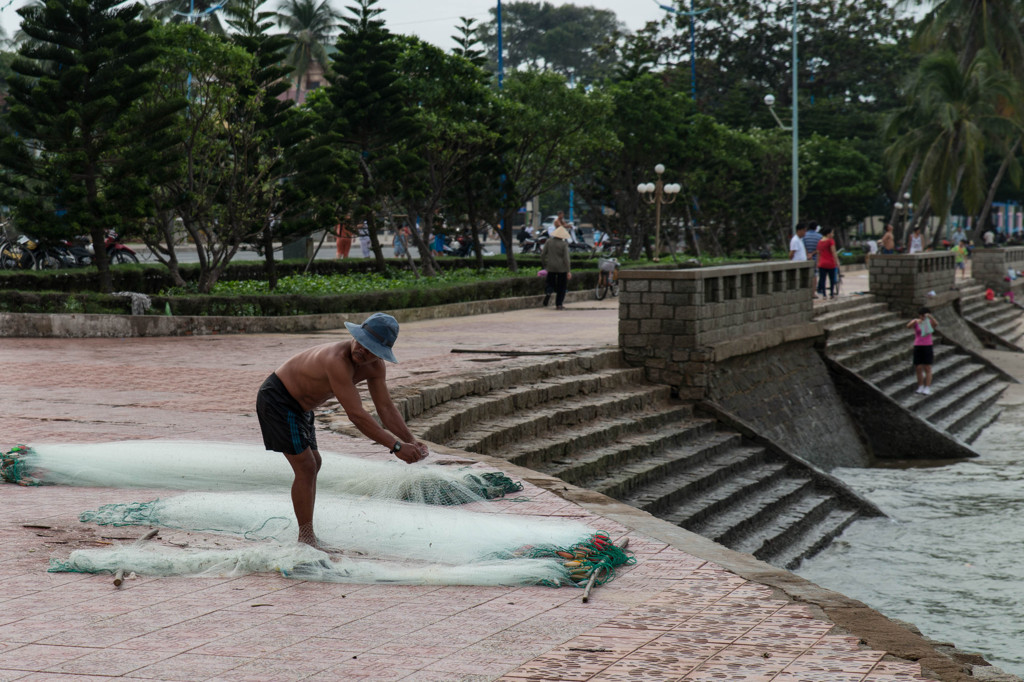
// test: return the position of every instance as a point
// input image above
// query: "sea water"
(950, 559)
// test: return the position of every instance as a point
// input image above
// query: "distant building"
(311, 80)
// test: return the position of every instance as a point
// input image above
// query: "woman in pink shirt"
(828, 263)
(924, 326)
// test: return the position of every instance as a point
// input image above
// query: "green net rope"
(596, 556)
(13, 468)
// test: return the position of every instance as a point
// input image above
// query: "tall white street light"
(658, 193)
(795, 127)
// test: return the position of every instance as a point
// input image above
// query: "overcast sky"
(435, 22)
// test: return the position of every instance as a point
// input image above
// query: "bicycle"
(16, 255)
(607, 278)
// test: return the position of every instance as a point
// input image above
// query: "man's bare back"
(334, 369)
(307, 375)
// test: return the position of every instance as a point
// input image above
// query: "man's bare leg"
(306, 465)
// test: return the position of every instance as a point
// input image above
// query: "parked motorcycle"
(464, 246)
(82, 252)
(116, 251)
(79, 251)
(46, 255)
(447, 249)
(534, 243)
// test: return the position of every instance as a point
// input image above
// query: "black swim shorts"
(923, 355)
(286, 427)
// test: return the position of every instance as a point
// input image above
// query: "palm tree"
(969, 26)
(311, 26)
(958, 114)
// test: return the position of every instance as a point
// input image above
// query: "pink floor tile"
(821, 662)
(895, 670)
(332, 651)
(817, 676)
(556, 668)
(108, 662)
(270, 669)
(188, 667)
(364, 668)
(11, 675)
(37, 657)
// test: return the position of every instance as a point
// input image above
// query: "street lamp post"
(693, 56)
(658, 193)
(795, 127)
(904, 207)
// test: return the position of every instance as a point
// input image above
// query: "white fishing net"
(188, 465)
(390, 522)
(382, 541)
(306, 563)
(382, 528)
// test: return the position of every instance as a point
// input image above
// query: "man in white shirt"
(797, 250)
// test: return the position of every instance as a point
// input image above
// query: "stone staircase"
(593, 422)
(1001, 322)
(866, 338)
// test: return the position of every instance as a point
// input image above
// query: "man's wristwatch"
(396, 448)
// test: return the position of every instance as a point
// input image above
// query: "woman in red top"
(828, 263)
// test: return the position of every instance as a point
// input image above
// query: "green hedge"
(61, 291)
(273, 306)
(152, 278)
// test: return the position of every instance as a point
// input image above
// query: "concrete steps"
(999, 318)
(877, 346)
(493, 435)
(597, 425)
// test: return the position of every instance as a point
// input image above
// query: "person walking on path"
(364, 239)
(285, 402)
(811, 239)
(888, 241)
(828, 264)
(924, 326)
(554, 258)
(960, 257)
(797, 250)
(342, 241)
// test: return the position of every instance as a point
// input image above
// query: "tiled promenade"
(673, 616)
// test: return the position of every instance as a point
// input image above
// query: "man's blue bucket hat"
(377, 335)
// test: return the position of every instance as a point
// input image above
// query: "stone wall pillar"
(678, 323)
(989, 267)
(907, 282)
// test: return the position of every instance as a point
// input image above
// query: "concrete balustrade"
(678, 323)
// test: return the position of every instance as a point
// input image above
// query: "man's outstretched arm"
(391, 418)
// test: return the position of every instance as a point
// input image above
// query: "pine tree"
(370, 117)
(283, 128)
(72, 122)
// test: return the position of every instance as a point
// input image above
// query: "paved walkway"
(675, 615)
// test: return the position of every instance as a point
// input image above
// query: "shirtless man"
(286, 400)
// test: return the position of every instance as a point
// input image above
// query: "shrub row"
(152, 278)
(277, 305)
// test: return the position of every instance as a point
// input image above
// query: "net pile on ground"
(188, 465)
(392, 522)
(410, 543)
